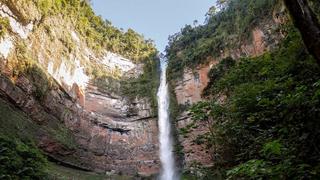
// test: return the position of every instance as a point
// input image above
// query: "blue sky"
(155, 19)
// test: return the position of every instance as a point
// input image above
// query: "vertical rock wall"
(104, 132)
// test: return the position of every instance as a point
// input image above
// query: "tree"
(221, 4)
(307, 23)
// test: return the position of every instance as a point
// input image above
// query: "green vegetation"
(24, 65)
(199, 172)
(262, 112)
(21, 160)
(107, 83)
(99, 34)
(268, 126)
(314, 4)
(146, 85)
(217, 73)
(41, 80)
(63, 135)
(187, 176)
(143, 86)
(18, 129)
(15, 124)
(19, 157)
(4, 24)
(223, 30)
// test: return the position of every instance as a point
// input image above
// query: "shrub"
(4, 24)
(21, 160)
(223, 30)
(268, 124)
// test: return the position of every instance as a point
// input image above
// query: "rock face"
(125, 134)
(106, 138)
(188, 89)
(194, 151)
(98, 130)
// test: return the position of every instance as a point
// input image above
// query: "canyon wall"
(189, 88)
(46, 71)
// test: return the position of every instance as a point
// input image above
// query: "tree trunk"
(307, 23)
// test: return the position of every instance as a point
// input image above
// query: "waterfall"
(165, 138)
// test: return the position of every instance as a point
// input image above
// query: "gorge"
(237, 97)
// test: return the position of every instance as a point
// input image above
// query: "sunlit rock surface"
(110, 132)
(22, 30)
(5, 46)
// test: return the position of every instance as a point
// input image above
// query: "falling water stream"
(165, 138)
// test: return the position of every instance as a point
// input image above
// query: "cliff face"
(47, 69)
(189, 88)
(259, 94)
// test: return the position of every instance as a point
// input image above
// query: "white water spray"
(166, 146)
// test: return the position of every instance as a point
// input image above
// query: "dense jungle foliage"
(268, 124)
(263, 113)
(21, 160)
(226, 29)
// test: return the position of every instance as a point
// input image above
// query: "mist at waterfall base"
(166, 146)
